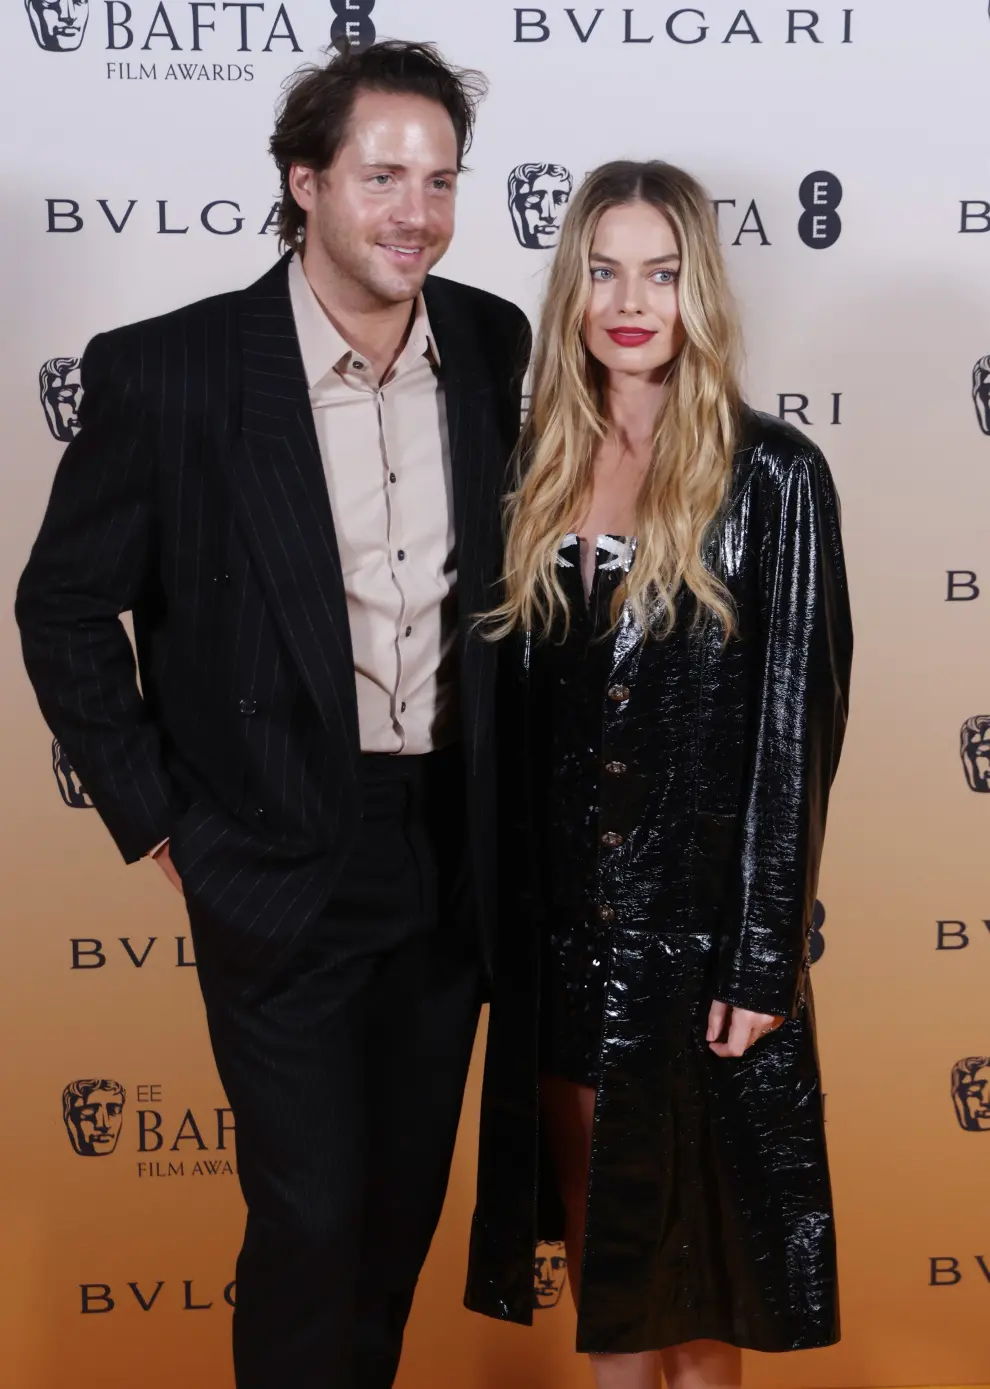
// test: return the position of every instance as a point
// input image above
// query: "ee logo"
(352, 26)
(820, 226)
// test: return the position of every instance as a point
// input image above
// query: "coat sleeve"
(805, 635)
(94, 559)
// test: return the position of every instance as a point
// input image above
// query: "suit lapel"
(283, 504)
(477, 456)
(471, 428)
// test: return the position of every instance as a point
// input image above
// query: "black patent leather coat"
(709, 1213)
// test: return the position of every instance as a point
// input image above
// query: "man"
(538, 198)
(295, 489)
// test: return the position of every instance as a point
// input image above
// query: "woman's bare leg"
(568, 1114)
(702, 1365)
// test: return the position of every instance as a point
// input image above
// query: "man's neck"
(375, 328)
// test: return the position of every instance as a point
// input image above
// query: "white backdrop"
(111, 153)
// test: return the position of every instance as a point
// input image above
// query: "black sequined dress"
(576, 939)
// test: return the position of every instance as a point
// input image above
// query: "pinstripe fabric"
(194, 495)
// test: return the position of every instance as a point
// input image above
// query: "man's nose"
(101, 1121)
(411, 208)
(66, 10)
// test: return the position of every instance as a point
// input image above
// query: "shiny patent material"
(709, 1213)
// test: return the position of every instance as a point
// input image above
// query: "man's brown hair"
(316, 109)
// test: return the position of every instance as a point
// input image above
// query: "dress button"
(618, 693)
(408, 631)
(606, 913)
(616, 768)
(391, 477)
(611, 839)
(259, 813)
(222, 580)
(400, 554)
(248, 706)
(402, 707)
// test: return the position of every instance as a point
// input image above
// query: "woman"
(677, 646)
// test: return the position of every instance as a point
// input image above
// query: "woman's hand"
(738, 1026)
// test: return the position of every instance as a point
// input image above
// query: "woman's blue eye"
(599, 272)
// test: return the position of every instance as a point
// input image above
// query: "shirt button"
(616, 768)
(358, 366)
(401, 554)
(606, 913)
(402, 709)
(222, 580)
(619, 693)
(611, 839)
(408, 631)
(248, 706)
(391, 477)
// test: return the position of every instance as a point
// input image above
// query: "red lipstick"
(630, 337)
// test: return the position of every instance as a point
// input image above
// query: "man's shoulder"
(201, 318)
(174, 324)
(480, 304)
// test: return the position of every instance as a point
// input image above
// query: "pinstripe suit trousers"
(345, 1071)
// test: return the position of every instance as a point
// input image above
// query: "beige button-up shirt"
(386, 458)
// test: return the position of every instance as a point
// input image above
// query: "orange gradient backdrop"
(115, 1266)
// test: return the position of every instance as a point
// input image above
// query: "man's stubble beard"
(360, 269)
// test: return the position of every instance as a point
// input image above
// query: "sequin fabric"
(676, 795)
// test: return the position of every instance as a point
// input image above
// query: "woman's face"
(632, 323)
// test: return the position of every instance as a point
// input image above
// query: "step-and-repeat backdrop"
(846, 149)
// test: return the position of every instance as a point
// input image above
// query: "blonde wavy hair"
(694, 441)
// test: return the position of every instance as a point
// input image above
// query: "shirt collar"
(325, 349)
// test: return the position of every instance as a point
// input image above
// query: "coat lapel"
(283, 504)
(473, 437)
(477, 456)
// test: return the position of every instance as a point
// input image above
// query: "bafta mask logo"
(59, 26)
(981, 392)
(60, 384)
(971, 1093)
(975, 752)
(538, 198)
(68, 781)
(93, 1111)
(549, 1273)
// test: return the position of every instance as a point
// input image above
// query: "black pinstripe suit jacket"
(194, 496)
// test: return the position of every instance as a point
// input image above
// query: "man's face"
(974, 1100)
(549, 1272)
(382, 215)
(94, 1123)
(981, 398)
(977, 757)
(540, 207)
(59, 25)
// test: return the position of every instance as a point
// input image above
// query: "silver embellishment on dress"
(619, 551)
